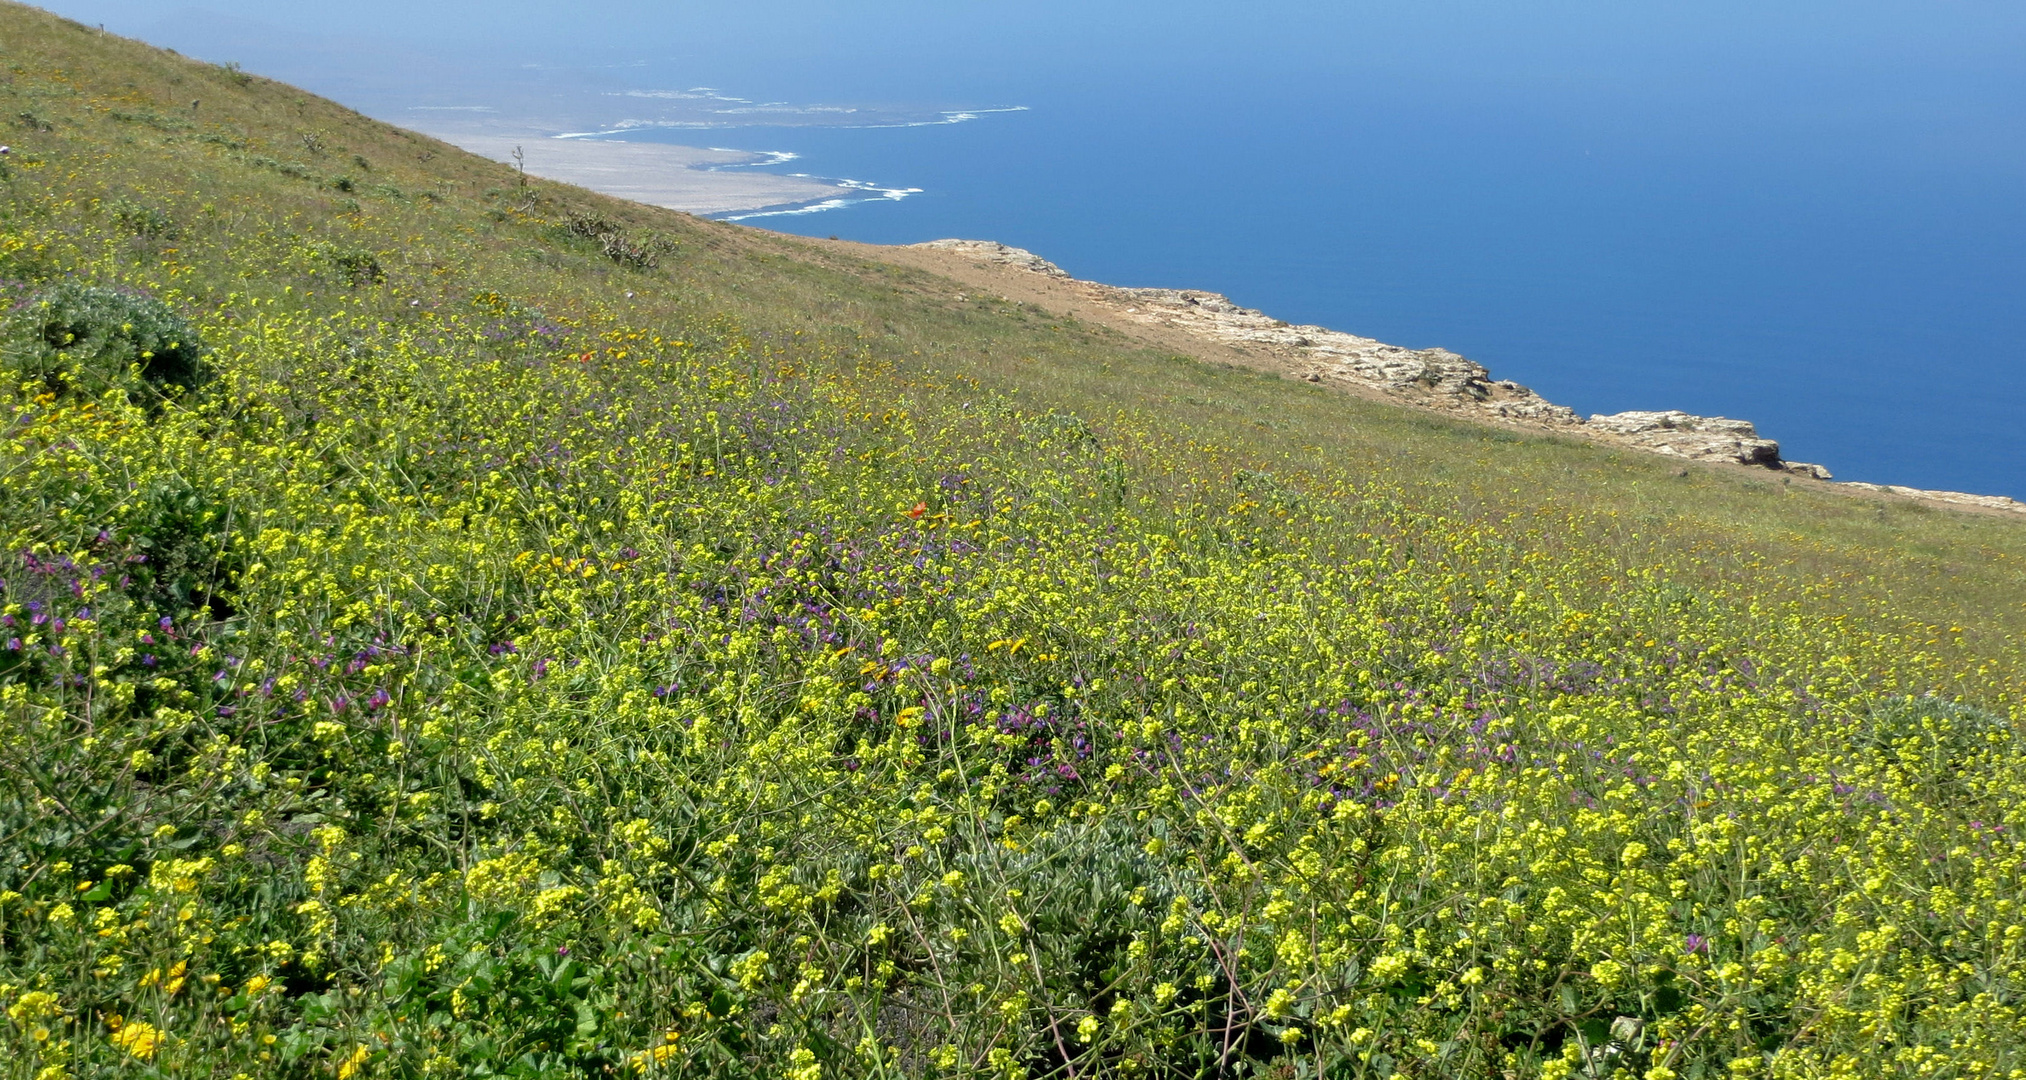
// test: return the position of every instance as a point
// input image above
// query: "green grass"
(787, 670)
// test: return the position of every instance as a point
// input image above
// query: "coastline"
(1212, 328)
(719, 183)
(695, 180)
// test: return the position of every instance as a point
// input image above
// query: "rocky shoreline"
(1435, 378)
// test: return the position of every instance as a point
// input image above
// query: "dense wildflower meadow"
(416, 678)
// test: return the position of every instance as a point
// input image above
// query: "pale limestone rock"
(1317, 353)
(1322, 354)
(992, 251)
(1957, 498)
(1698, 438)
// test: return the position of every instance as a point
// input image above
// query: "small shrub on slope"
(615, 243)
(142, 220)
(79, 340)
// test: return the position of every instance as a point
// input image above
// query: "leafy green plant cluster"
(144, 221)
(75, 339)
(615, 242)
(355, 267)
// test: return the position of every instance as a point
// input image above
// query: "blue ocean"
(1812, 217)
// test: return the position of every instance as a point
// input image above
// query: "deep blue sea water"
(1810, 215)
(1873, 321)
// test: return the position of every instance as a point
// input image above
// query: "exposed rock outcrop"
(1699, 438)
(1325, 355)
(1956, 498)
(1432, 377)
(993, 251)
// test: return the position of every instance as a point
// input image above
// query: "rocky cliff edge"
(1433, 377)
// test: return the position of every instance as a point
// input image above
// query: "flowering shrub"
(79, 339)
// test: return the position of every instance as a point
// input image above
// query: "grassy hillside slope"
(558, 637)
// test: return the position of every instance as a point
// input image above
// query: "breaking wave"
(864, 193)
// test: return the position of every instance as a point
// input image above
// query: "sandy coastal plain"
(692, 179)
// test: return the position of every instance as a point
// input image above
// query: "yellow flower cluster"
(475, 686)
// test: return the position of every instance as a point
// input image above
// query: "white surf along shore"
(1434, 378)
(705, 181)
(602, 140)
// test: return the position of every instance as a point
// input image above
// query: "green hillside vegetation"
(460, 626)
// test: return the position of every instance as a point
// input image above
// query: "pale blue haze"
(1811, 215)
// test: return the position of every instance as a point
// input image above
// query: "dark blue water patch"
(1868, 318)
